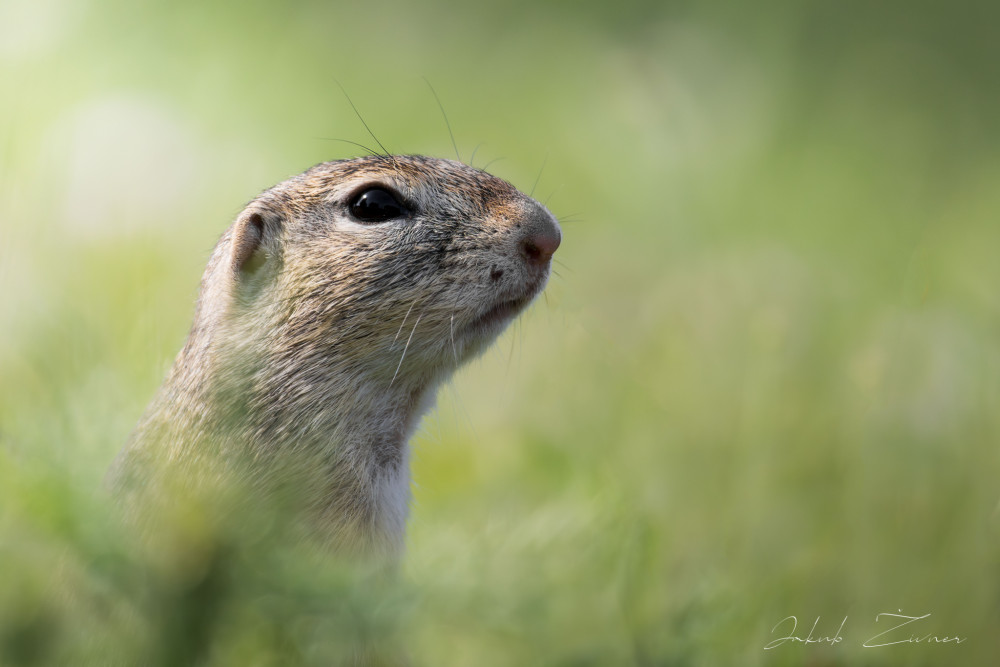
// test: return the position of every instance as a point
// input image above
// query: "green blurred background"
(763, 382)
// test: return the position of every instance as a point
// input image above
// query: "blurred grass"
(764, 381)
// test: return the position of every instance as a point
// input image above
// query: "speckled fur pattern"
(322, 353)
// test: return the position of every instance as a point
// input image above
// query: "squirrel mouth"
(501, 313)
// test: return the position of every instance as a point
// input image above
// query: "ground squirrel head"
(373, 256)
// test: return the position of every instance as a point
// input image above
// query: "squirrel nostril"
(539, 247)
(538, 236)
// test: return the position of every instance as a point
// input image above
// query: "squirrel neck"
(320, 423)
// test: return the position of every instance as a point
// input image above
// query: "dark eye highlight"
(377, 205)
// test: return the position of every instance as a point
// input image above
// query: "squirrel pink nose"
(541, 239)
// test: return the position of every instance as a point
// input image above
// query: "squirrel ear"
(253, 240)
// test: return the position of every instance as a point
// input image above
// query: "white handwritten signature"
(889, 637)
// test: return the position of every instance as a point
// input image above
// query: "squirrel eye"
(376, 205)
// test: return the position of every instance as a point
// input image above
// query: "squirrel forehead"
(421, 178)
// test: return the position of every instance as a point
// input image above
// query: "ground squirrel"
(330, 312)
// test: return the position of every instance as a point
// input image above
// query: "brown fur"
(318, 342)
